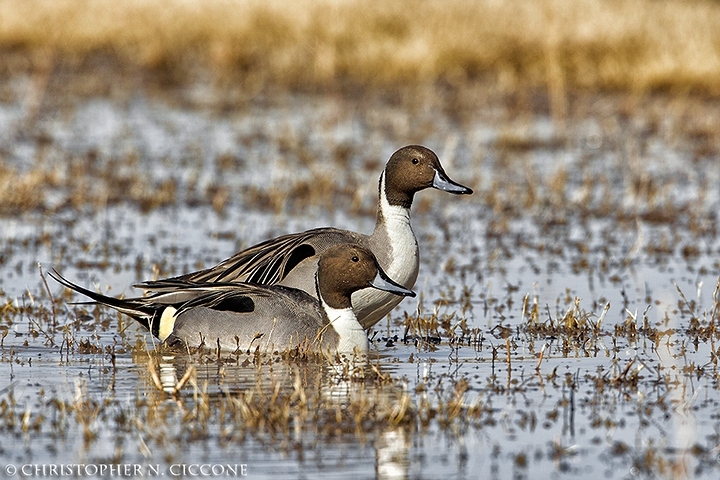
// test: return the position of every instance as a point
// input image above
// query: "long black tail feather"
(137, 308)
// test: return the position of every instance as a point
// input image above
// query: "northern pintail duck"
(246, 317)
(291, 260)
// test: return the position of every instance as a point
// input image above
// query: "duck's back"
(289, 260)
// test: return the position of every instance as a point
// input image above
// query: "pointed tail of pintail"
(140, 309)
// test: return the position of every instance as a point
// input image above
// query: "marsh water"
(564, 323)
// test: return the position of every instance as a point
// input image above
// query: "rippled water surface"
(565, 322)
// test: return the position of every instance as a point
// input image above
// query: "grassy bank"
(636, 45)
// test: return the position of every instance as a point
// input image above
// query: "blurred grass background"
(654, 64)
(634, 45)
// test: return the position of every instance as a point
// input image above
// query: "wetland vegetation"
(567, 312)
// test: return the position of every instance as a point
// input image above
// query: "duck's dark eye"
(415, 161)
(355, 259)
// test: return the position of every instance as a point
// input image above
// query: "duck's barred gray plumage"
(267, 318)
(291, 260)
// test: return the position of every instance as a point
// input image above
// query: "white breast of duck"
(403, 261)
(396, 249)
(352, 337)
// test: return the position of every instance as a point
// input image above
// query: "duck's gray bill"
(442, 182)
(382, 282)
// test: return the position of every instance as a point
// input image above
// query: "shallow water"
(593, 243)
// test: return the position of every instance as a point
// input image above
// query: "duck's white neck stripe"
(396, 221)
(389, 212)
(352, 336)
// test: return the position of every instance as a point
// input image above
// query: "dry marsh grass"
(21, 191)
(83, 182)
(638, 45)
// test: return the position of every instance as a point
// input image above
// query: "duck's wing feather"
(266, 263)
(227, 297)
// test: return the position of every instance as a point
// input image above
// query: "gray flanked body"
(259, 327)
(266, 318)
(291, 260)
